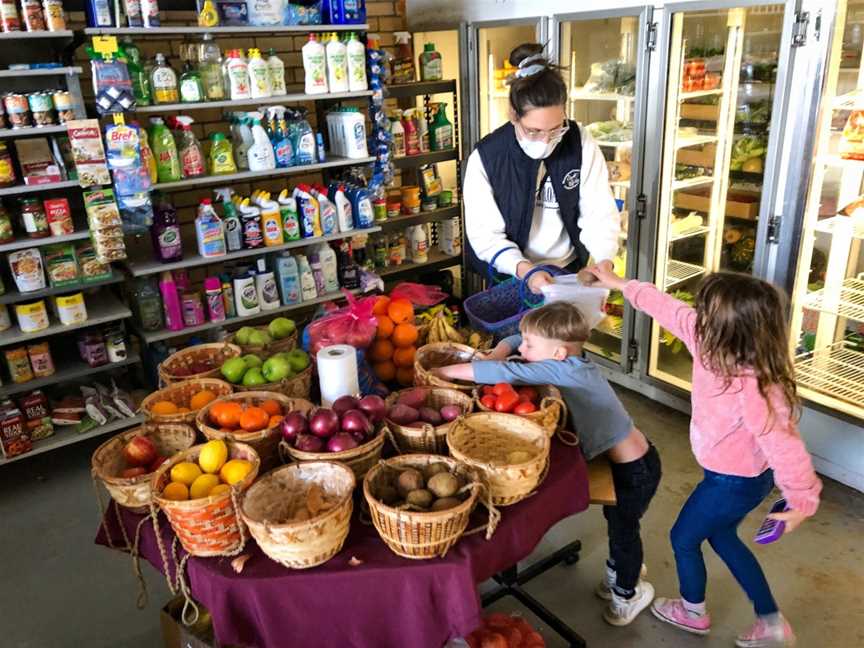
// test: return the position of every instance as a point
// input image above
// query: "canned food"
(379, 208)
(64, 105)
(42, 108)
(19, 365)
(32, 317)
(71, 309)
(18, 109)
(445, 198)
(411, 199)
(40, 359)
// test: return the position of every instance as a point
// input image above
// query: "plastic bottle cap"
(212, 283)
(217, 137)
(206, 201)
(429, 47)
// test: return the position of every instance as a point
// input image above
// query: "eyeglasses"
(537, 134)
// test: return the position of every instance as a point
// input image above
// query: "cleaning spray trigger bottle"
(261, 156)
(189, 150)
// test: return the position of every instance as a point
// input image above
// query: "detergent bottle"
(189, 150)
(209, 231)
(357, 80)
(328, 214)
(337, 64)
(315, 66)
(221, 158)
(288, 211)
(260, 154)
(259, 75)
(164, 151)
(288, 279)
(361, 205)
(308, 212)
(230, 219)
(329, 267)
(277, 74)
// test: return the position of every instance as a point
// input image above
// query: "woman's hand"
(536, 280)
(791, 518)
(604, 277)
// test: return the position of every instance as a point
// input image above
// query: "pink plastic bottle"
(412, 136)
(171, 303)
(215, 304)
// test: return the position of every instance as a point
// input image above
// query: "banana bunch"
(474, 340)
(440, 310)
(441, 330)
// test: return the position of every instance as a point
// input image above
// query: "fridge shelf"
(831, 225)
(694, 140)
(849, 304)
(849, 101)
(579, 94)
(692, 182)
(615, 145)
(836, 370)
(696, 94)
(613, 326)
(696, 231)
(677, 272)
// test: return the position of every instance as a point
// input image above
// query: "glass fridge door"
(604, 54)
(719, 109)
(828, 297)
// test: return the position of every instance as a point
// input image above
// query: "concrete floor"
(59, 589)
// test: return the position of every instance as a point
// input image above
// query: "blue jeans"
(713, 512)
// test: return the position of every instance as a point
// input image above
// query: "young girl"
(743, 432)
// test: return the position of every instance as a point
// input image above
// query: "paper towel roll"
(337, 372)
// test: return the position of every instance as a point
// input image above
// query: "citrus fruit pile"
(234, 416)
(213, 474)
(195, 403)
(392, 352)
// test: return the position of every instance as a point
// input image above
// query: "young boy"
(551, 343)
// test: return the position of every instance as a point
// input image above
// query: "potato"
(434, 469)
(443, 485)
(408, 481)
(431, 415)
(413, 398)
(420, 497)
(444, 503)
(387, 494)
(403, 414)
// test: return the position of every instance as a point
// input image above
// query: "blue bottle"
(304, 143)
(361, 205)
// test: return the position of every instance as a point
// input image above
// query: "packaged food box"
(61, 262)
(59, 216)
(37, 163)
(88, 152)
(106, 231)
(37, 415)
(26, 266)
(14, 438)
(90, 268)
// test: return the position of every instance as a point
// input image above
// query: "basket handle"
(490, 267)
(523, 283)
(494, 515)
(389, 433)
(568, 438)
(548, 401)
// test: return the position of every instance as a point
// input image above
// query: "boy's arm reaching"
(486, 372)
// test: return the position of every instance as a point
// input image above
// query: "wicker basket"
(428, 438)
(276, 346)
(179, 394)
(420, 535)
(485, 439)
(207, 526)
(300, 544)
(107, 461)
(264, 442)
(359, 459)
(551, 415)
(298, 386)
(441, 354)
(214, 354)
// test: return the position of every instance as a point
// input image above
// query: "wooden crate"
(701, 112)
(703, 157)
(739, 204)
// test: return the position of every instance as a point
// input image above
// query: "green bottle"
(441, 130)
(164, 151)
(191, 88)
(137, 74)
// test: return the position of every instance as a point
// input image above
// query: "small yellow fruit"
(185, 472)
(202, 486)
(213, 456)
(219, 489)
(235, 471)
(176, 491)
(163, 408)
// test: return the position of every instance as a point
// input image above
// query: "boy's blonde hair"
(556, 321)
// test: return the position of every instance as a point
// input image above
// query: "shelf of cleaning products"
(38, 188)
(35, 35)
(144, 268)
(279, 99)
(156, 336)
(437, 261)
(14, 297)
(418, 219)
(410, 161)
(161, 32)
(229, 178)
(13, 133)
(37, 72)
(70, 371)
(419, 88)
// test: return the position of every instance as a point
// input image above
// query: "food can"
(429, 205)
(5, 322)
(394, 206)
(411, 199)
(64, 106)
(41, 360)
(19, 365)
(32, 317)
(445, 198)
(379, 208)
(42, 108)
(71, 309)
(18, 109)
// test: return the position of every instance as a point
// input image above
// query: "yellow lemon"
(213, 456)
(219, 489)
(176, 491)
(235, 471)
(185, 472)
(202, 486)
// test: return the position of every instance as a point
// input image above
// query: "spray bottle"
(231, 221)
(164, 151)
(189, 150)
(241, 137)
(209, 231)
(283, 148)
(304, 141)
(261, 156)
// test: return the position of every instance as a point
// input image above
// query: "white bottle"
(337, 64)
(327, 257)
(328, 214)
(288, 278)
(259, 75)
(237, 75)
(344, 213)
(354, 126)
(397, 132)
(356, 64)
(277, 74)
(265, 285)
(307, 279)
(261, 155)
(246, 295)
(241, 138)
(419, 244)
(315, 66)
(450, 238)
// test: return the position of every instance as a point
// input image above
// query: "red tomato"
(506, 402)
(488, 390)
(527, 394)
(489, 401)
(524, 407)
(503, 388)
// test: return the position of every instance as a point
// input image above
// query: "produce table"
(385, 602)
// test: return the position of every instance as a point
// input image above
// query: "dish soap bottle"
(431, 66)
(337, 64)
(163, 81)
(210, 68)
(164, 151)
(441, 130)
(165, 232)
(237, 75)
(191, 88)
(315, 66)
(191, 155)
(277, 74)
(209, 231)
(208, 17)
(259, 74)
(221, 157)
(356, 51)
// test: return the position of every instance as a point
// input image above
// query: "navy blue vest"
(513, 177)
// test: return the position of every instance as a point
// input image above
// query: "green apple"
(233, 370)
(242, 335)
(281, 327)
(275, 369)
(259, 338)
(251, 360)
(253, 378)
(299, 359)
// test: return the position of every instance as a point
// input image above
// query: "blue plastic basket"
(499, 308)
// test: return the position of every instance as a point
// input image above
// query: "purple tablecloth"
(387, 601)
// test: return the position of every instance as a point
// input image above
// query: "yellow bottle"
(221, 155)
(147, 157)
(208, 16)
(271, 221)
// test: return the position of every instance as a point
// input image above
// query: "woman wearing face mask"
(538, 187)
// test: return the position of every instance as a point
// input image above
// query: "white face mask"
(538, 149)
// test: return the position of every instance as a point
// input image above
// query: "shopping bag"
(590, 300)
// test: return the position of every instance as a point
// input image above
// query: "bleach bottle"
(344, 212)
(288, 211)
(328, 214)
(308, 212)
(361, 205)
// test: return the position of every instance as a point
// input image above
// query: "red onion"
(341, 442)
(293, 425)
(343, 404)
(451, 412)
(309, 443)
(374, 407)
(324, 423)
(355, 421)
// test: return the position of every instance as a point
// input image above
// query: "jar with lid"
(115, 343)
(381, 253)
(7, 169)
(42, 108)
(7, 234)
(64, 106)
(33, 218)
(91, 347)
(18, 110)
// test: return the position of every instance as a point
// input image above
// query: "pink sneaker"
(762, 635)
(673, 611)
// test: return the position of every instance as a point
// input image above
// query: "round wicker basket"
(489, 441)
(276, 346)
(420, 535)
(441, 354)
(551, 415)
(208, 526)
(108, 462)
(298, 386)
(269, 505)
(427, 438)
(212, 354)
(264, 442)
(179, 394)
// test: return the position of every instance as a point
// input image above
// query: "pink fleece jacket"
(732, 430)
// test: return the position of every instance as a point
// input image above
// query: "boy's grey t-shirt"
(599, 417)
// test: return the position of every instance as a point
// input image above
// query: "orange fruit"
(385, 371)
(227, 414)
(200, 399)
(271, 406)
(254, 419)
(275, 420)
(183, 410)
(381, 350)
(381, 305)
(163, 408)
(404, 335)
(400, 310)
(405, 376)
(404, 357)
(385, 327)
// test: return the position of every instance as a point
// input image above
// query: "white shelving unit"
(239, 103)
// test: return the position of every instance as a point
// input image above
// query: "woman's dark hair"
(544, 88)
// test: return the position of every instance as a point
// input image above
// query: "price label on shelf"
(105, 45)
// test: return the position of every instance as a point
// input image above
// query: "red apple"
(158, 461)
(140, 451)
(137, 471)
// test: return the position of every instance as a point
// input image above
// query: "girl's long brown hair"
(741, 325)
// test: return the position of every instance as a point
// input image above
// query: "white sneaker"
(621, 611)
(604, 587)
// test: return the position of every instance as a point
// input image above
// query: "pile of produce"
(348, 425)
(504, 631)
(236, 416)
(412, 410)
(211, 475)
(434, 488)
(504, 397)
(251, 371)
(748, 153)
(392, 352)
(438, 325)
(141, 456)
(278, 329)
(193, 404)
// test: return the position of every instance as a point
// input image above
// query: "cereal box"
(88, 152)
(14, 438)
